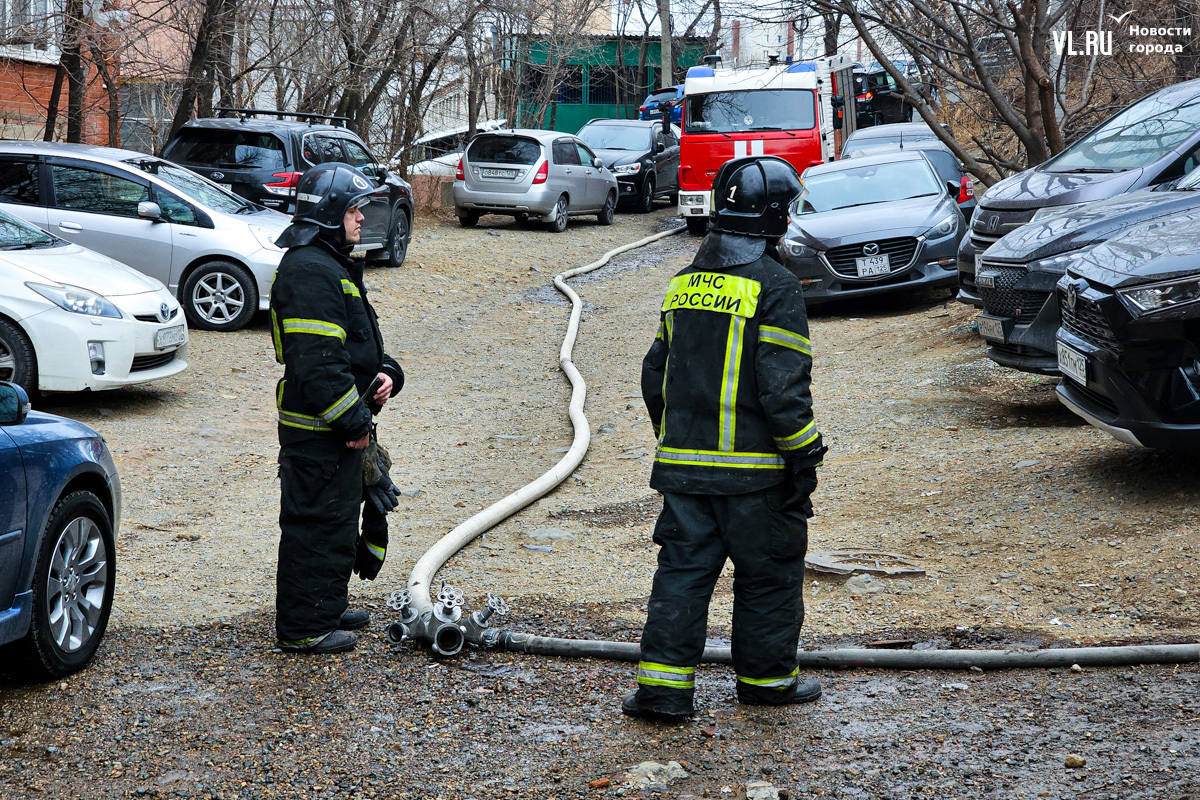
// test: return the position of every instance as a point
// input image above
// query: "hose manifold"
(446, 628)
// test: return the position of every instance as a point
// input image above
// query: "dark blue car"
(652, 106)
(60, 505)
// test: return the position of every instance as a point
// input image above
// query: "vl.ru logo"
(1100, 41)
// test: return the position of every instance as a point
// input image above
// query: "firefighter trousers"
(320, 492)
(767, 544)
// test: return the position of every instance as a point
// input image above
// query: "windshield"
(1136, 137)
(867, 185)
(616, 137)
(188, 183)
(758, 110)
(17, 234)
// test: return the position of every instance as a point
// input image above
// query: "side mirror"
(597, 163)
(150, 211)
(14, 404)
(660, 147)
(952, 187)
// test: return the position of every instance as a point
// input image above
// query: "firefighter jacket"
(327, 337)
(726, 380)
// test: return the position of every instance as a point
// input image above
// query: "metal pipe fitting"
(476, 625)
(448, 640)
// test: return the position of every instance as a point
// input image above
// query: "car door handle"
(69, 226)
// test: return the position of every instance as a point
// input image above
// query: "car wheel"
(72, 587)
(468, 220)
(697, 226)
(645, 202)
(219, 296)
(18, 362)
(674, 198)
(398, 239)
(558, 219)
(605, 217)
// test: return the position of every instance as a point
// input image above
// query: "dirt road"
(1032, 528)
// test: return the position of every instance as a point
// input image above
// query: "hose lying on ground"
(435, 558)
(882, 659)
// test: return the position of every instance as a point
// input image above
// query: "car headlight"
(77, 300)
(626, 169)
(1058, 262)
(1160, 296)
(798, 249)
(1051, 211)
(266, 238)
(691, 200)
(944, 227)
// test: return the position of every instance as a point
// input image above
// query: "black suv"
(263, 159)
(1129, 345)
(641, 154)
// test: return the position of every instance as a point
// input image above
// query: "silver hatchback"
(215, 251)
(527, 174)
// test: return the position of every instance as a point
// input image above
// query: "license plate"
(873, 265)
(986, 280)
(170, 337)
(497, 173)
(1072, 364)
(991, 328)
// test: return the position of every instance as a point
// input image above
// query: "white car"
(72, 319)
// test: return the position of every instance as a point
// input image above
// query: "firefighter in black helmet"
(726, 383)
(327, 337)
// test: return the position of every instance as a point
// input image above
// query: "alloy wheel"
(76, 584)
(218, 297)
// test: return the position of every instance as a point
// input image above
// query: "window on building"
(630, 89)
(602, 85)
(570, 86)
(27, 22)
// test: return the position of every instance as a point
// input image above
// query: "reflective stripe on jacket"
(726, 380)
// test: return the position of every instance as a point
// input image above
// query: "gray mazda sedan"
(870, 225)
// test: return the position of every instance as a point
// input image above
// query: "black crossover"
(263, 159)
(1129, 344)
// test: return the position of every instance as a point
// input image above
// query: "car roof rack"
(225, 111)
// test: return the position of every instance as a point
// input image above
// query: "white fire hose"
(435, 558)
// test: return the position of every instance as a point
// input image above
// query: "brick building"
(29, 56)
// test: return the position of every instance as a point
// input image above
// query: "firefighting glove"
(382, 495)
(379, 490)
(369, 552)
(804, 483)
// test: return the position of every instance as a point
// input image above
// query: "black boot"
(633, 707)
(354, 619)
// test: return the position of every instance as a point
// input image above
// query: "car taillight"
(286, 183)
(866, 96)
(458, 172)
(965, 192)
(542, 173)
(642, 108)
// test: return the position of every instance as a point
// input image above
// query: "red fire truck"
(798, 111)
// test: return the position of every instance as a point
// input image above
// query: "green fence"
(592, 82)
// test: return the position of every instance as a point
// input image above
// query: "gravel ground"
(1033, 530)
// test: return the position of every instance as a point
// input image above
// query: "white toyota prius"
(72, 319)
